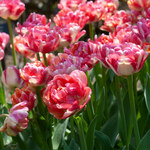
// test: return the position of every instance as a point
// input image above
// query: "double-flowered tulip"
(67, 94)
(11, 9)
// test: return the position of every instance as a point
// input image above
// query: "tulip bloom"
(69, 34)
(65, 64)
(11, 78)
(138, 4)
(72, 4)
(67, 94)
(17, 120)
(24, 95)
(67, 16)
(126, 59)
(11, 9)
(119, 18)
(33, 20)
(36, 74)
(86, 50)
(42, 39)
(4, 38)
(20, 43)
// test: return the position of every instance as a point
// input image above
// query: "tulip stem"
(38, 56)
(72, 127)
(12, 42)
(81, 133)
(91, 31)
(24, 60)
(105, 90)
(133, 110)
(2, 99)
(45, 59)
(4, 115)
(40, 103)
(121, 109)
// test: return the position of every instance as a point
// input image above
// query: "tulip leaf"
(147, 93)
(73, 145)
(66, 147)
(2, 95)
(110, 128)
(145, 142)
(90, 134)
(1, 142)
(103, 140)
(59, 132)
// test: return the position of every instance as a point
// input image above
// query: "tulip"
(67, 16)
(126, 59)
(24, 95)
(11, 9)
(4, 38)
(86, 50)
(33, 19)
(67, 94)
(36, 74)
(65, 64)
(138, 4)
(17, 120)
(73, 4)
(42, 39)
(11, 78)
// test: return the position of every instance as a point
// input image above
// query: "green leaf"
(103, 140)
(110, 128)
(1, 142)
(66, 147)
(59, 132)
(73, 145)
(90, 134)
(147, 92)
(145, 142)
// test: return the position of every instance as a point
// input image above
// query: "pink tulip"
(11, 9)
(24, 95)
(69, 34)
(11, 78)
(138, 4)
(119, 18)
(4, 38)
(67, 94)
(20, 43)
(65, 64)
(36, 74)
(34, 19)
(86, 50)
(72, 4)
(42, 39)
(17, 120)
(126, 59)
(67, 16)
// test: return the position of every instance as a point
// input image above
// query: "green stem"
(40, 106)
(81, 134)
(12, 42)
(91, 31)
(24, 60)
(90, 109)
(38, 56)
(121, 108)
(133, 110)
(45, 60)
(72, 127)
(2, 96)
(105, 90)
(21, 143)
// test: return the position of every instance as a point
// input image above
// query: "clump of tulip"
(64, 73)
